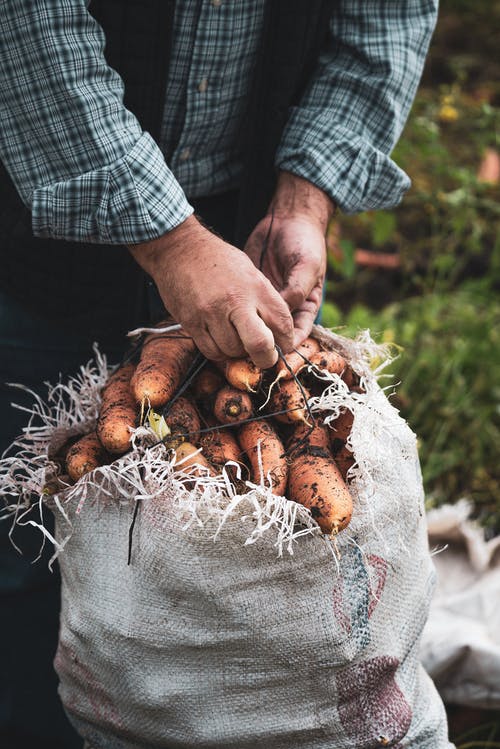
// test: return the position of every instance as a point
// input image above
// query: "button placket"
(202, 88)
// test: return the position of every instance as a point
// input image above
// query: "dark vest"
(96, 285)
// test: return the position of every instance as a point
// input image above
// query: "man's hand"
(221, 299)
(288, 245)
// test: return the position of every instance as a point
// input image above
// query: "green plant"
(449, 370)
(442, 305)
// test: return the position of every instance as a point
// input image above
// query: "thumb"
(299, 284)
(304, 317)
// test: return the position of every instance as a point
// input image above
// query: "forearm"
(296, 196)
(77, 156)
(155, 254)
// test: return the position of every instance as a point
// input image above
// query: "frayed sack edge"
(31, 478)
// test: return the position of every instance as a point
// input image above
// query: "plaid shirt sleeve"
(77, 156)
(355, 107)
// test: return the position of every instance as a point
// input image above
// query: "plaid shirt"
(81, 161)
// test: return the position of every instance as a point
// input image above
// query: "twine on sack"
(30, 476)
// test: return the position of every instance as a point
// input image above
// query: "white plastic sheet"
(461, 641)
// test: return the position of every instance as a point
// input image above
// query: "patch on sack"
(357, 591)
(373, 710)
(88, 696)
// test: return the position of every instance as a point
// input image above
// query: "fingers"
(303, 325)
(303, 318)
(244, 324)
(206, 344)
(256, 337)
(227, 339)
(276, 314)
(300, 283)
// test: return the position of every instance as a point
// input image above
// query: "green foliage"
(448, 226)
(449, 370)
(443, 308)
(383, 227)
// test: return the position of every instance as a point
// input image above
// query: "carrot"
(357, 389)
(164, 362)
(232, 405)
(118, 412)
(194, 462)
(329, 360)
(344, 460)
(315, 482)
(289, 397)
(265, 450)
(295, 359)
(84, 456)
(349, 377)
(183, 419)
(207, 383)
(341, 427)
(316, 436)
(242, 374)
(219, 446)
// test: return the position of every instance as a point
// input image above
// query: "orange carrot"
(344, 460)
(207, 383)
(84, 456)
(265, 450)
(294, 359)
(341, 427)
(242, 374)
(164, 362)
(118, 412)
(219, 446)
(316, 436)
(183, 419)
(357, 389)
(194, 462)
(315, 482)
(232, 405)
(329, 360)
(289, 397)
(349, 377)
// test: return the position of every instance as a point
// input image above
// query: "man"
(260, 116)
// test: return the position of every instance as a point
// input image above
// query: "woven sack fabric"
(206, 640)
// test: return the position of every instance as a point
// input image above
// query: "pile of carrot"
(255, 423)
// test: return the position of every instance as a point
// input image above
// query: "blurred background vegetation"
(426, 275)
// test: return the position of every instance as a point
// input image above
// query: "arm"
(78, 157)
(339, 138)
(89, 173)
(350, 117)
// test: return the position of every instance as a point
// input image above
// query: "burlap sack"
(236, 623)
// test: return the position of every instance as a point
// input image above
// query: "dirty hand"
(294, 258)
(220, 298)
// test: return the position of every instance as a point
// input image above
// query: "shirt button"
(203, 85)
(185, 154)
(216, 3)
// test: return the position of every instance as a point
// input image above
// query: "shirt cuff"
(134, 199)
(356, 175)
